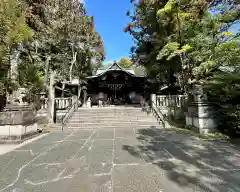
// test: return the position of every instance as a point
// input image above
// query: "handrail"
(158, 113)
(67, 115)
(155, 111)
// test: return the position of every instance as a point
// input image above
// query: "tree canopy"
(46, 36)
(188, 42)
(125, 62)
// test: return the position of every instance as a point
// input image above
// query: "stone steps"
(119, 118)
(111, 127)
(93, 115)
(111, 124)
(127, 118)
(82, 121)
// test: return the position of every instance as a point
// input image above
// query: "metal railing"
(69, 113)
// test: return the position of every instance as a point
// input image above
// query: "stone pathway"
(120, 160)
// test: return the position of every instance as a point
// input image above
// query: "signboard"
(115, 86)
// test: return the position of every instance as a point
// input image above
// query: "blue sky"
(110, 19)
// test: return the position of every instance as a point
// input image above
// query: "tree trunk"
(63, 88)
(51, 97)
(71, 66)
(85, 97)
(14, 54)
(47, 65)
(79, 92)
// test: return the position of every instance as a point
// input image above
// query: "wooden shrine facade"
(117, 85)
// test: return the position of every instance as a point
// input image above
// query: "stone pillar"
(200, 113)
(153, 99)
(89, 103)
(84, 98)
(75, 101)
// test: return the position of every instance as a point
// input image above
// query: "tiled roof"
(138, 71)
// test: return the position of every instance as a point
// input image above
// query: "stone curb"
(23, 138)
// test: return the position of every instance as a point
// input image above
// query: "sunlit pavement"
(121, 160)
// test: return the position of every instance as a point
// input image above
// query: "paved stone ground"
(121, 160)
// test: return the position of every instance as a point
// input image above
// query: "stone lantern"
(200, 112)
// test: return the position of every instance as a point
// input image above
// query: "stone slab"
(98, 155)
(10, 164)
(85, 164)
(103, 134)
(125, 133)
(85, 182)
(20, 117)
(61, 153)
(139, 178)
(127, 151)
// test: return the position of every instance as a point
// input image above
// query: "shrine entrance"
(116, 86)
(118, 94)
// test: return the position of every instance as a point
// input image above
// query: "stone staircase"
(111, 117)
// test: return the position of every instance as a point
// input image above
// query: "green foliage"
(49, 34)
(224, 91)
(182, 39)
(125, 62)
(13, 30)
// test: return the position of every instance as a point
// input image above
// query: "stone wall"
(16, 123)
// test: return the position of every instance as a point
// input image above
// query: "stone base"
(17, 133)
(17, 115)
(17, 122)
(202, 125)
(200, 116)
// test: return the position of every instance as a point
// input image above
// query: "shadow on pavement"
(189, 162)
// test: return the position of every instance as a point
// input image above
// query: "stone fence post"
(153, 99)
(75, 101)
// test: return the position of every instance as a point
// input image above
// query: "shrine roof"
(135, 71)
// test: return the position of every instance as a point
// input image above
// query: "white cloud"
(83, 1)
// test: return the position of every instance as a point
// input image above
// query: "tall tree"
(62, 37)
(192, 40)
(13, 32)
